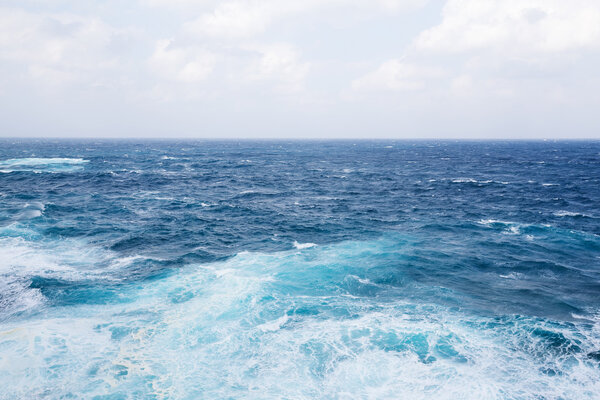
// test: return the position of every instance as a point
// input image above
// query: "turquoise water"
(222, 270)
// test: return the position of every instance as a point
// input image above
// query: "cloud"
(235, 19)
(189, 64)
(396, 75)
(515, 27)
(278, 62)
(490, 48)
(61, 48)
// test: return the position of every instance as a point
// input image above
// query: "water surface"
(370, 269)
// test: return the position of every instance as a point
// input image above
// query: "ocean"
(299, 269)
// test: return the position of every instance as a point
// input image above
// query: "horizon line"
(301, 139)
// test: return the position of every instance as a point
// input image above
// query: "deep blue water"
(290, 270)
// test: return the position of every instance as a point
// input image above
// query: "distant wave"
(464, 180)
(40, 161)
(563, 213)
(42, 164)
(301, 246)
(472, 180)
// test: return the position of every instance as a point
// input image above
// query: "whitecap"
(40, 161)
(514, 230)
(364, 281)
(39, 165)
(511, 275)
(464, 180)
(492, 221)
(563, 213)
(25, 254)
(29, 214)
(37, 205)
(301, 246)
(274, 325)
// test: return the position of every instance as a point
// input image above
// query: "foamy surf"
(261, 323)
(302, 246)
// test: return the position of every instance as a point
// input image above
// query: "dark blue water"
(370, 269)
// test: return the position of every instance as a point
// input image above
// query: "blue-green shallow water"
(291, 270)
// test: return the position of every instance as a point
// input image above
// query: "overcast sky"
(300, 69)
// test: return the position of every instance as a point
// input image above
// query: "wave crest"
(54, 164)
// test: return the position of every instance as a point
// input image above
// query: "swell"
(515, 273)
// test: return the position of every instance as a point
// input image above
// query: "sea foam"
(42, 164)
(258, 324)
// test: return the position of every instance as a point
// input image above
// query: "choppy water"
(222, 270)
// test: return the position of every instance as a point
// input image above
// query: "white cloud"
(514, 27)
(396, 75)
(182, 64)
(59, 48)
(489, 48)
(234, 19)
(278, 62)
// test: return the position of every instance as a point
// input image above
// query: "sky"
(402, 69)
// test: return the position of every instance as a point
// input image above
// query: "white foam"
(274, 325)
(29, 162)
(512, 275)
(563, 213)
(24, 254)
(492, 221)
(464, 180)
(509, 228)
(30, 213)
(364, 281)
(39, 165)
(236, 329)
(35, 205)
(514, 230)
(301, 246)
(207, 345)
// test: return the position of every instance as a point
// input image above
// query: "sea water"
(299, 270)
